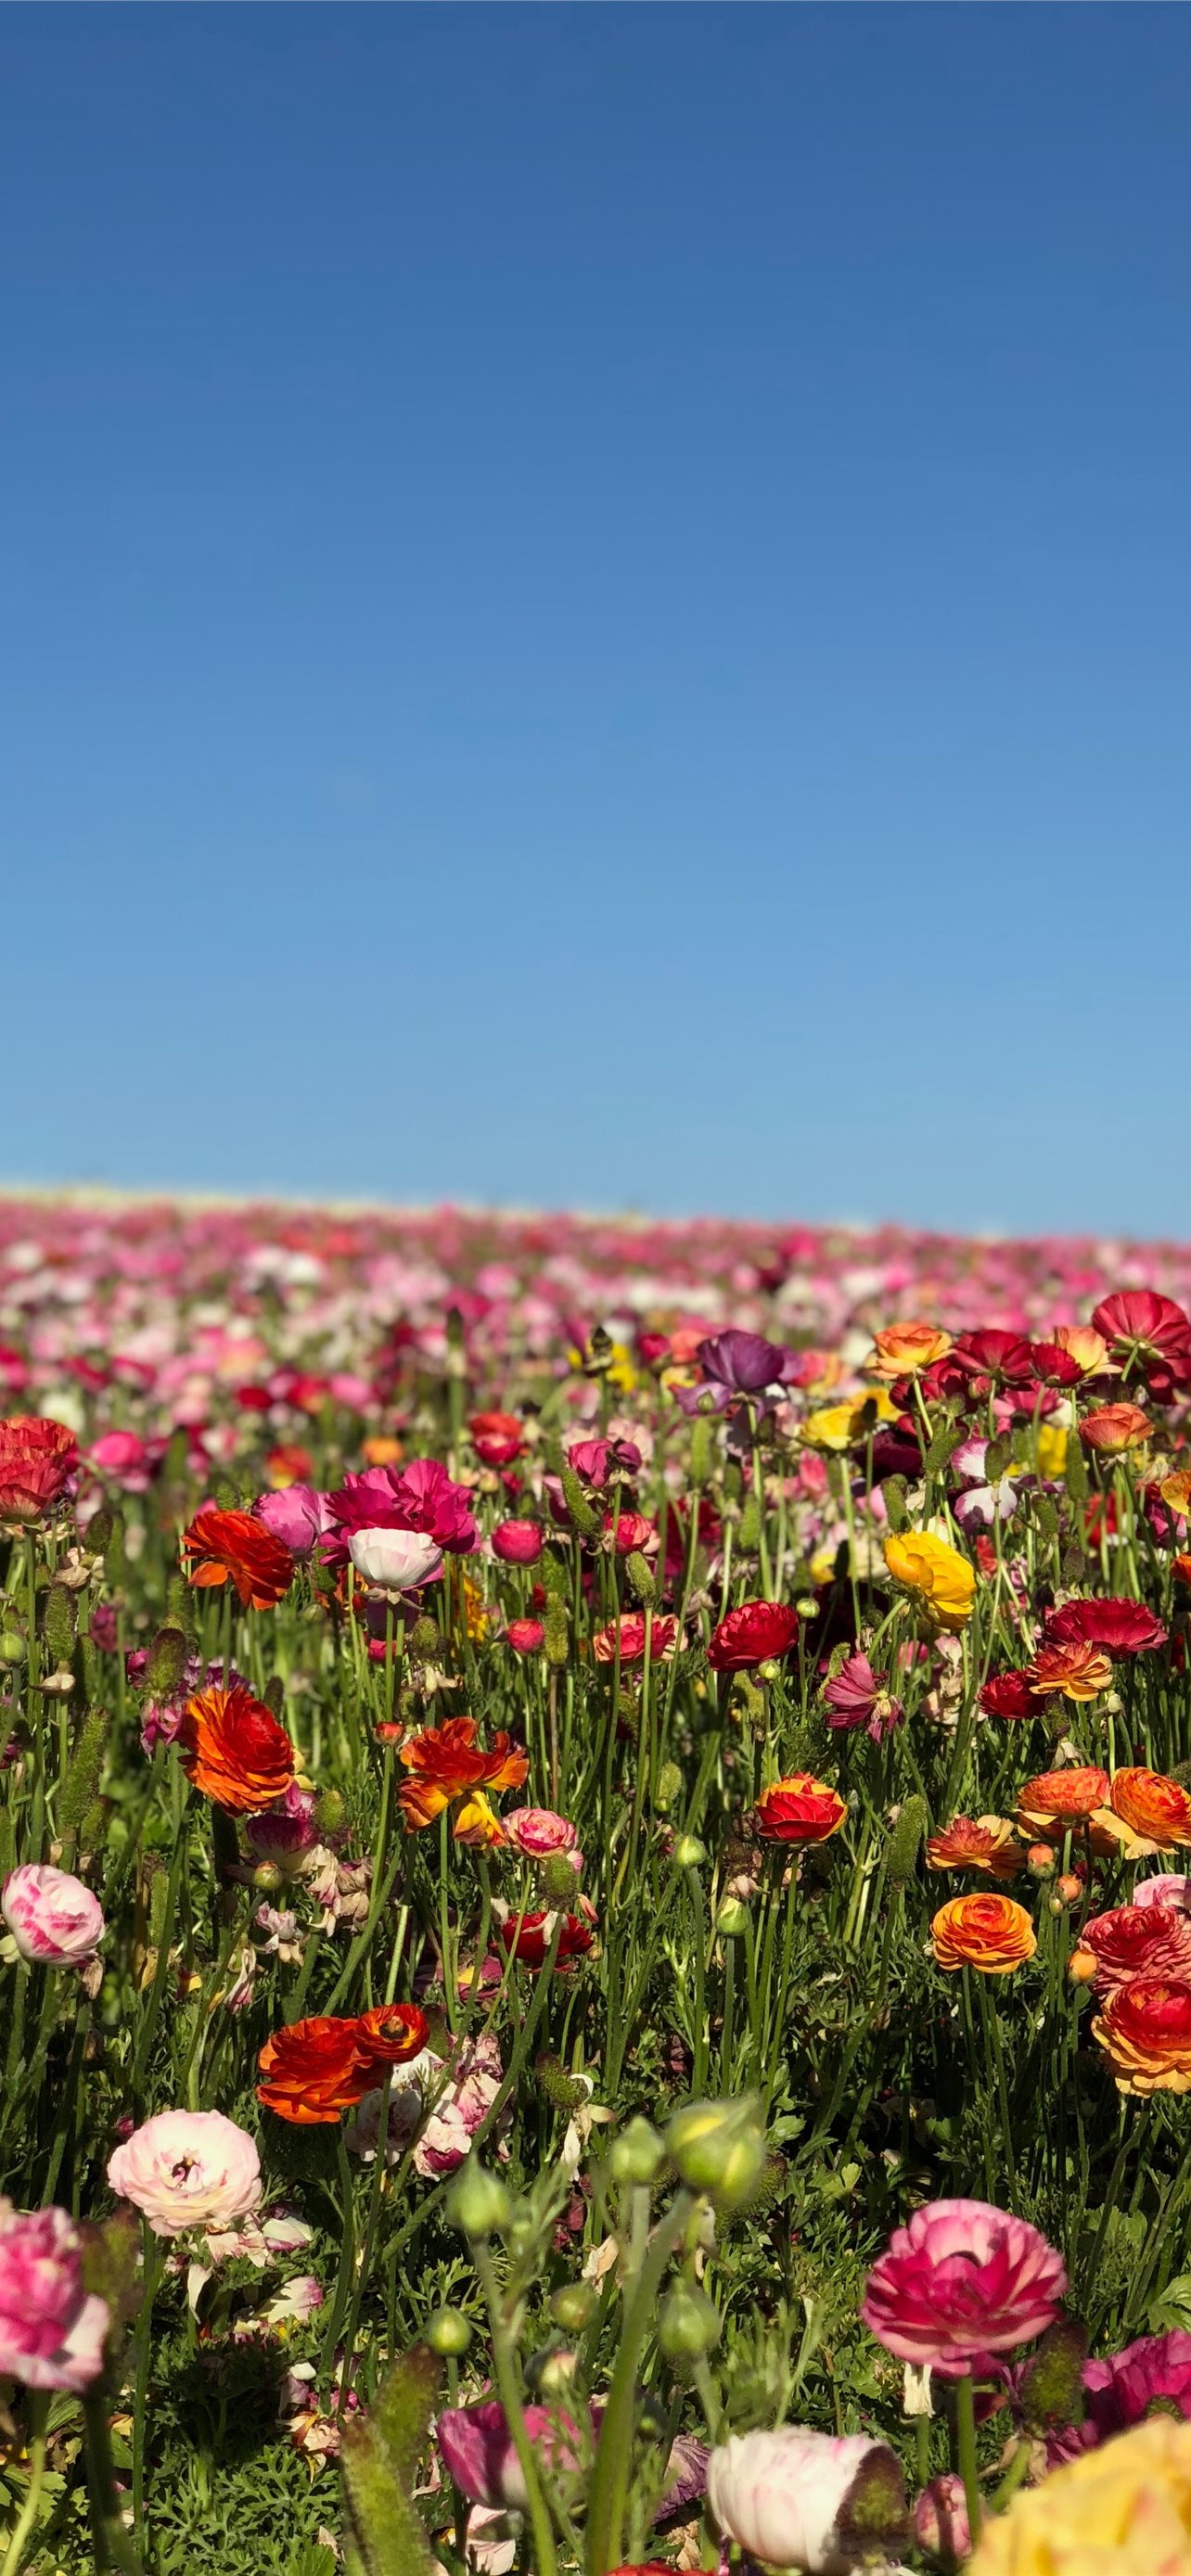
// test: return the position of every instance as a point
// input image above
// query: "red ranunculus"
(1008, 1695)
(497, 1438)
(528, 1937)
(37, 1458)
(1002, 1357)
(751, 1635)
(1121, 1627)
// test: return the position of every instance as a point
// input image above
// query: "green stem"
(613, 2459)
(39, 2407)
(965, 2428)
(545, 2560)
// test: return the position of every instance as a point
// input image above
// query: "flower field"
(597, 1964)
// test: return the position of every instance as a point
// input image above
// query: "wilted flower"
(854, 1697)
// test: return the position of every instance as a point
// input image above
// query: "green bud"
(732, 1920)
(552, 1575)
(274, 1694)
(700, 1462)
(425, 1639)
(159, 1888)
(636, 2156)
(99, 1531)
(719, 2148)
(556, 1641)
(448, 2333)
(689, 2326)
(115, 1564)
(894, 1490)
(574, 2306)
(905, 1839)
(60, 1623)
(689, 1852)
(478, 2204)
(669, 1784)
(266, 1877)
(165, 1664)
(12, 1646)
(330, 1811)
(579, 1510)
(558, 1881)
(1051, 2389)
(179, 1606)
(640, 1580)
(565, 2091)
(555, 2372)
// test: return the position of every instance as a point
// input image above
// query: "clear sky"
(596, 607)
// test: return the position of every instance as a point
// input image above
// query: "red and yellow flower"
(984, 1842)
(990, 1933)
(448, 1766)
(1145, 2033)
(800, 1809)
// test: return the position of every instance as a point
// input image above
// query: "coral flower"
(756, 1633)
(1080, 1671)
(1057, 1801)
(222, 1545)
(631, 1628)
(1121, 1627)
(1155, 1811)
(1125, 2508)
(992, 1934)
(958, 2284)
(37, 1459)
(527, 1938)
(941, 1579)
(447, 1763)
(902, 1349)
(799, 1809)
(1145, 2033)
(316, 2069)
(1114, 1428)
(985, 1843)
(234, 1751)
(1136, 1941)
(1008, 1695)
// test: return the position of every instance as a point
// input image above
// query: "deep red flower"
(37, 1457)
(528, 1938)
(1008, 1695)
(1121, 1627)
(751, 1635)
(1138, 1323)
(1002, 1357)
(800, 1809)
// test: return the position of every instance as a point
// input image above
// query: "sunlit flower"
(1154, 1811)
(854, 1697)
(986, 1843)
(992, 1934)
(1123, 2510)
(800, 1809)
(315, 2070)
(1115, 1428)
(1136, 1941)
(820, 2502)
(960, 2283)
(1145, 2033)
(1079, 1671)
(52, 2329)
(234, 1751)
(446, 1763)
(939, 1577)
(836, 1427)
(903, 1349)
(186, 2169)
(631, 1632)
(1121, 1627)
(758, 1632)
(54, 1919)
(1058, 1802)
(221, 1546)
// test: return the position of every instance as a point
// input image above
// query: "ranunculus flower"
(446, 1763)
(960, 2283)
(1121, 1627)
(1164, 1889)
(51, 2329)
(234, 1751)
(736, 1363)
(419, 1497)
(1112, 1429)
(902, 1349)
(231, 1546)
(1141, 1326)
(316, 2069)
(1124, 2510)
(800, 1809)
(1145, 2033)
(940, 1578)
(539, 1833)
(37, 1459)
(528, 1938)
(818, 2501)
(1008, 1695)
(395, 1560)
(1057, 1802)
(992, 1934)
(757, 1633)
(854, 1697)
(517, 1542)
(52, 1917)
(1151, 2373)
(475, 2076)
(478, 2453)
(525, 1636)
(1001, 1357)
(631, 1629)
(1079, 1671)
(296, 1514)
(985, 1843)
(188, 2169)
(497, 1438)
(1137, 1941)
(1155, 1811)
(123, 1457)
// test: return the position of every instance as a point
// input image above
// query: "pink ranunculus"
(856, 1698)
(525, 1636)
(796, 2498)
(297, 1515)
(538, 1833)
(517, 1542)
(188, 2169)
(477, 2449)
(1167, 1888)
(960, 2283)
(596, 1460)
(474, 2080)
(285, 1832)
(1155, 2371)
(124, 1458)
(941, 2524)
(52, 1917)
(51, 2328)
(396, 1560)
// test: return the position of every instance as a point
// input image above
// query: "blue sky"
(596, 605)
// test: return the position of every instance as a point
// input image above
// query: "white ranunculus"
(791, 2497)
(395, 1560)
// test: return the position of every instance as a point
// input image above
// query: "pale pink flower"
(51, 2328)
(395, 1560)
(54, 1920)
(1165, 1889)
(791, 2497)
(538, 1833)
(960, 2283)
(188, 2169)
(941, 2519)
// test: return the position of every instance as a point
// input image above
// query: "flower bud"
(1040, 1860)
(565, 2091)
(330, 1811)
(478, 2204)
(1081, 1967)
(448, 2333)
(669, 1784)
(574, 2306)
(732, 1920)
(719, 2148)
(267, 1877)
(689, 1852)
(902, 1848)
(1051, 2385)
(1069, 1888)
(689, 2326)
(165, 1665)
(61, 1615)
(640, 1580)
(557, 1880)
(636, 2156)
(12, 1646)
(555, 2373)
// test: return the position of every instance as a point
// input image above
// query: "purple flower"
(734, 1364)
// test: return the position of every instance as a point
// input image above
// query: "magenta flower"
(419, 1497)
(961, 2283)
(52, 1917)
(51, 2328)
(478, 2451)
(596, 1460)
(517, 1542)
(1154, 2371)
(855, 1698)
(297, 1515)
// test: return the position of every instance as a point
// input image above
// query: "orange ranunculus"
(381, 1449)
(288, 1464)
(1180, 1567)
(1058, 1801)
(903, 1349)
(936, 1573)
(1079, 1670)
(222, 1544)
(316, 2069)
(447, 1763)
(990, 1933)
(1115, 1428)
(1154, 1811)
(1145, 2033)
(233, 1749)
(800, 1809)
(987, 1843)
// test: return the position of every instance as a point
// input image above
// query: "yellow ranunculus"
(941, 1577)
(1052, 1450)
(840, 1426)
(1123, 2510)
